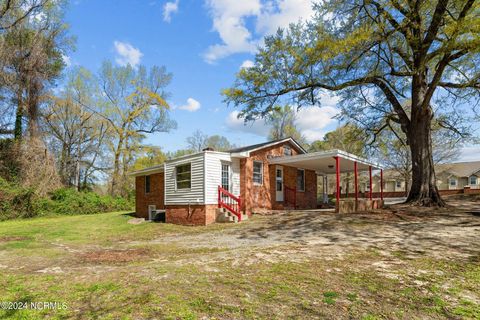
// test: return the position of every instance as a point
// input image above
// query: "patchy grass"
(268, 267)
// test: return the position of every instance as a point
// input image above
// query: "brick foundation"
(199, 215)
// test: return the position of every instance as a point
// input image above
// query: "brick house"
(279, 174)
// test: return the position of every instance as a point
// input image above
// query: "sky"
(204, 43)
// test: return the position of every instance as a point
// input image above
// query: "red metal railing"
(230, 202)
(290, 195)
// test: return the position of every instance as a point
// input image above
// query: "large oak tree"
(376, 54)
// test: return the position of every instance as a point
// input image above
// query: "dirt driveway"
(296, 235)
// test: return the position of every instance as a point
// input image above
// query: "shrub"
(21, 202)
(16, 201)
(67, 201)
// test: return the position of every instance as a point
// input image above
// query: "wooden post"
(370, 174)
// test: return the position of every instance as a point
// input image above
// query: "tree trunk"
(18, 130)
(423, 190)
(116, 167)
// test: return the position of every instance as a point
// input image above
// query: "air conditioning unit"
(152, 211)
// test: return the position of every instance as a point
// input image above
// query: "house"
(273, 175)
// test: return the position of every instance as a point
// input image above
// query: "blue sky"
(204, 43)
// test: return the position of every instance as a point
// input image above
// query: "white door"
(279, 183)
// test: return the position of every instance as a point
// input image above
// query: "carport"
(336, 162)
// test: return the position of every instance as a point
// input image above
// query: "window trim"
(470, 180)
(147, 177)
(304, 182)
(398, 183)
(229, 175)
(285, 148)
(176, 176)
(450, 182)
(255, 183)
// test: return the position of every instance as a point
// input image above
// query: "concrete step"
(224, 215)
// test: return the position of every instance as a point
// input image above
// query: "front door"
(279, 183)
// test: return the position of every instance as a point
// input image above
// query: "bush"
(19, 202)
(16, 201)
(67, 201)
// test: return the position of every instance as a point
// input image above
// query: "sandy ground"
(299, 235)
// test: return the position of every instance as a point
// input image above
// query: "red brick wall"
(191, 215)
(471, 191)
(263, 196)
(155, 196)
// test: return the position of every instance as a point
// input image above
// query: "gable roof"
(267, 144)
(459, 169)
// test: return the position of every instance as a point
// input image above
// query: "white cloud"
(259, 127)
(230, 21)
(168, 9)
(470, 153)
(312, 121)
(191, 106)
(127, 54)
(281, 13)
(247, 64)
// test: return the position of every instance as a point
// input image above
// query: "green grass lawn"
(101, 267)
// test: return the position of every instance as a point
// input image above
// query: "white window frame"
(257, 173)
(176, 176)
(303, 186)
(285, 148)
(229, 176)
(398, 184)
(470, 180)
(450, 182)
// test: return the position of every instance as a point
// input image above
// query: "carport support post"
(381, 184)
(337, 171)
(355, 169)
(370, 174)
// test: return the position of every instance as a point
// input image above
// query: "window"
(473, 180)
(226, 177)
(301, 180)
(147, 184)
(183, 176)
(453, 182)
(399, 184)
(257, 172)
(287, 151)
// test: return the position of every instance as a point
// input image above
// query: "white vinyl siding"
(192, 195)
(213, 176)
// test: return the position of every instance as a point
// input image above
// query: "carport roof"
(323, 162)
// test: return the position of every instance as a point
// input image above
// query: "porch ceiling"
(323, 162)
